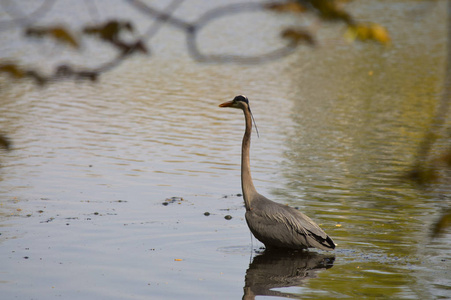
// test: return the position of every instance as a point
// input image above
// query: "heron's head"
(239, 101)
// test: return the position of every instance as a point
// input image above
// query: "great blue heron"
(273, 224)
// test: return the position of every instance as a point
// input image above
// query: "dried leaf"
(290, 6)
(12, 69)
(63, 36)
(298, 36)
(380, 34)
(331, 10)
(110, 30)
(59, 33)
(364, 32)
(35, 32)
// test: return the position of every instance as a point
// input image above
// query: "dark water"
(81, 193)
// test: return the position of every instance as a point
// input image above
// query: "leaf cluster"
(329, 11)
(109, 32)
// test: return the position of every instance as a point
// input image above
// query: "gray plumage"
(273, 224)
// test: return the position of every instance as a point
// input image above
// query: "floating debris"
(173, 200)
(228, 217)
(233, 195)
(48, 220)
(206, 213)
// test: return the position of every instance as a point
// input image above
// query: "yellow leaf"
(364, 32)
(379, 34)
(58, 33)
(63, 36)
(290, 6)
(12, 70)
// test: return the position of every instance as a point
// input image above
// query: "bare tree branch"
(159, 15)
(20, 19)
(110, 32)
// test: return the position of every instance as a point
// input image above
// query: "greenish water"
(81, 193)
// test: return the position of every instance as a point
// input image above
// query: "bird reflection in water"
(275, 269)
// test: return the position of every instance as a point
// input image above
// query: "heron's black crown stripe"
(241, 98)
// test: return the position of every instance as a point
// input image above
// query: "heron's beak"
(226, 104)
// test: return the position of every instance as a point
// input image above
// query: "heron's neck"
(246, 179)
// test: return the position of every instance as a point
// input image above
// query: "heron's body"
(274, 224)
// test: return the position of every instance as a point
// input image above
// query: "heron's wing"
(302, 224)
(296, 223)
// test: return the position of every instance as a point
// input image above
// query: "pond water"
(122, 189)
